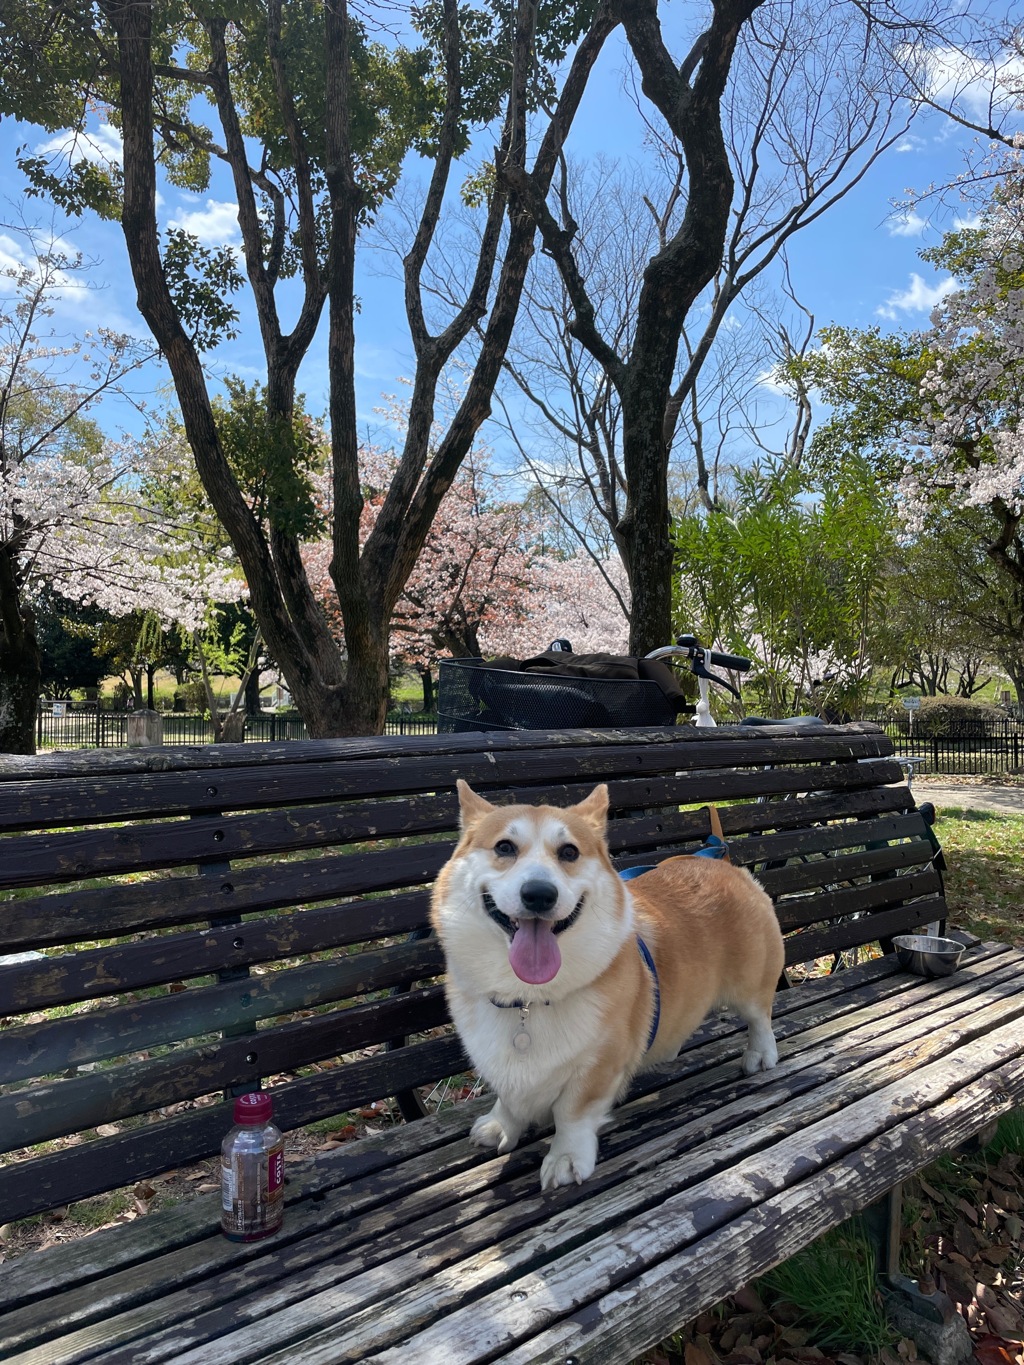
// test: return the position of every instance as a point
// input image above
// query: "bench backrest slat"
(196, 921)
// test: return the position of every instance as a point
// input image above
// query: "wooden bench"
(181, 924)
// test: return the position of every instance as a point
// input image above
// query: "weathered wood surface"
(682, 1164)
(57, 856)
(855, 740)
(53, 1046)
(258, 875)
(822, 999)
(41, 805)
(111, 1162)
(631, 1318)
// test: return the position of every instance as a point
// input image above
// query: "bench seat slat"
(822, 1087)
(626, 1231)
(77, 1172)
(33, 1114)
(643, 1310)
(867, 1002)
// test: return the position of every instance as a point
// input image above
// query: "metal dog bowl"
(926, 955)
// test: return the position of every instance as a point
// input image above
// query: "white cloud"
(920, 297)
(772, 380)
(13, 254)
(908, 224)
(102, 146)
(982, 88)
(216, 224)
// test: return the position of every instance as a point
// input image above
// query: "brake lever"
(702, 671)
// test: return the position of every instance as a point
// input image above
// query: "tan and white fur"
(544, 873)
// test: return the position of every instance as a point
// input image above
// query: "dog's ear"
(471, 806)
(594, 808)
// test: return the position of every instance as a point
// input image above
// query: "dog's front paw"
(565, 1168)
(760, 1058)
(489, 1131)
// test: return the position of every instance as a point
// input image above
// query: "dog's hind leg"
(499, 1129)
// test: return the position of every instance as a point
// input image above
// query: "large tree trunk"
(337, 697)
(253, 701)
(427, 682)
(301, 644)
(20, 663)
(20, 686)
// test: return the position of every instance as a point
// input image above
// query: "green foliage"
(199, 279)
(67, 634)
(1009, 1136)
(872, 382)
(832, 1282)
(273, 458)
(954, 717)
(788, 575)
(73, 188)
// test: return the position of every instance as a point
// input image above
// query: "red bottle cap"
(254, 1108)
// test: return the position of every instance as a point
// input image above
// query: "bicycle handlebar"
(734, 662)
(690, 648)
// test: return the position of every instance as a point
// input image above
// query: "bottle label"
(228, 1187)
(275, 1169)
(252, 1192)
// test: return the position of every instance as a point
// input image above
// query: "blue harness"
(713, 848)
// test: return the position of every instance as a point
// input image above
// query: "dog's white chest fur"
(531, 1076)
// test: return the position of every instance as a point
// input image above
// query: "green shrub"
(955, 717)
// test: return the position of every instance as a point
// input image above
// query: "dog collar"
(521, 1039)
(645, 953)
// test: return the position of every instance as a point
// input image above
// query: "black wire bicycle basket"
(472, 695)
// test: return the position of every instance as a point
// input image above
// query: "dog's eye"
(568, 853)
(505, 848)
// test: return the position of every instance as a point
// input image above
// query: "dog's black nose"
(538, 897)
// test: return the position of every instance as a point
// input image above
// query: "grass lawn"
(985, 880)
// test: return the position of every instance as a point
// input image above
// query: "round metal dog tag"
(521, 1041)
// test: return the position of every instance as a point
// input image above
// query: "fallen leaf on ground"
(748, 1300)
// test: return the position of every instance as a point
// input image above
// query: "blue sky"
(858, 265)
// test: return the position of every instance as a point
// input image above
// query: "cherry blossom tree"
(474, 571)
(56, 472)
(573, 599)
(81, 514)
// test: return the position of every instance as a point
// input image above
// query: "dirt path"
(970, 795)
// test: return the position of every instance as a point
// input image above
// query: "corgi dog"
(564, 980)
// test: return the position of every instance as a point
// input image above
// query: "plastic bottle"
(252, 1171)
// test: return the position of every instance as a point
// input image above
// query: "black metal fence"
(67, 727)
(999, 750)
(963, 755)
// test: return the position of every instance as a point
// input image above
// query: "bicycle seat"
(802, 721)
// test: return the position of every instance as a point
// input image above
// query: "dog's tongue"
(533, 953)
